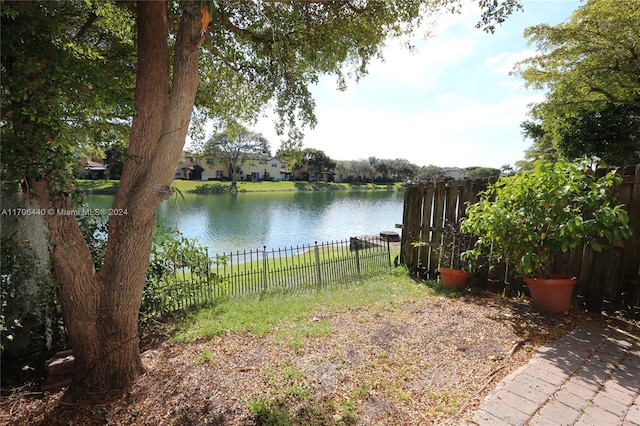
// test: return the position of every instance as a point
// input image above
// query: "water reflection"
(227, 222)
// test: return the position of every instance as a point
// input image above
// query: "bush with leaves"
(178, 268)
(526, 219)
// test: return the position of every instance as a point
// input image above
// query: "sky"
(450, 103)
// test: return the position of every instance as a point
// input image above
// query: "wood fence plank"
(426, 231)
(416, 232)
(413, 206)
(451, 203)
(466, 192)
(438, 212)
(404, 237)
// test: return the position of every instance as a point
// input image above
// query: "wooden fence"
(607, 281)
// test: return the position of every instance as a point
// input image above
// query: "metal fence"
(254, 271)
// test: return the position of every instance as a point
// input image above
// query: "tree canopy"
(67, 79)
(482, 172)
(270, 51)
(611, 135)
(235, 148)
(430, 173)
(315, 163)
(591, 59)
(590, 68)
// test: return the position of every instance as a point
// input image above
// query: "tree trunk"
(101, 309)
(75, 273)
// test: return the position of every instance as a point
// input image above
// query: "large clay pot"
(453, 279)
(552, 294)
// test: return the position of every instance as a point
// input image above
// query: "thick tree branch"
(240, 32)
(217, 53)
(90, 20)
(614, 99)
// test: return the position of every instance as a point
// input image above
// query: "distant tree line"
(236, 147)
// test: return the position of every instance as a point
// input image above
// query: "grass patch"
(260, 314)
(214, 187)
(402, 395)
(270, 186)
(268, 413)
(291, 401)
(300, 330)
(446, 402)
(205, 357)
(328, 265)
(98, 186)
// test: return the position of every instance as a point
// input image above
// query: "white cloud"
(462, 136)
(504, 62)
(496, 59)
(418, 68)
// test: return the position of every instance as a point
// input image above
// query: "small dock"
(366, 241)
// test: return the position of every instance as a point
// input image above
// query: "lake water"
(226, 222)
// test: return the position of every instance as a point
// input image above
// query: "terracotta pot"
(552, 294)
(453, 279)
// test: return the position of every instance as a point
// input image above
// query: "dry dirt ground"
(421, 362)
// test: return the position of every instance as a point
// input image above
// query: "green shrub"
(527, 218)
(176, 267)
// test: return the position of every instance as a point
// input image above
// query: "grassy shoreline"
(109, 187)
